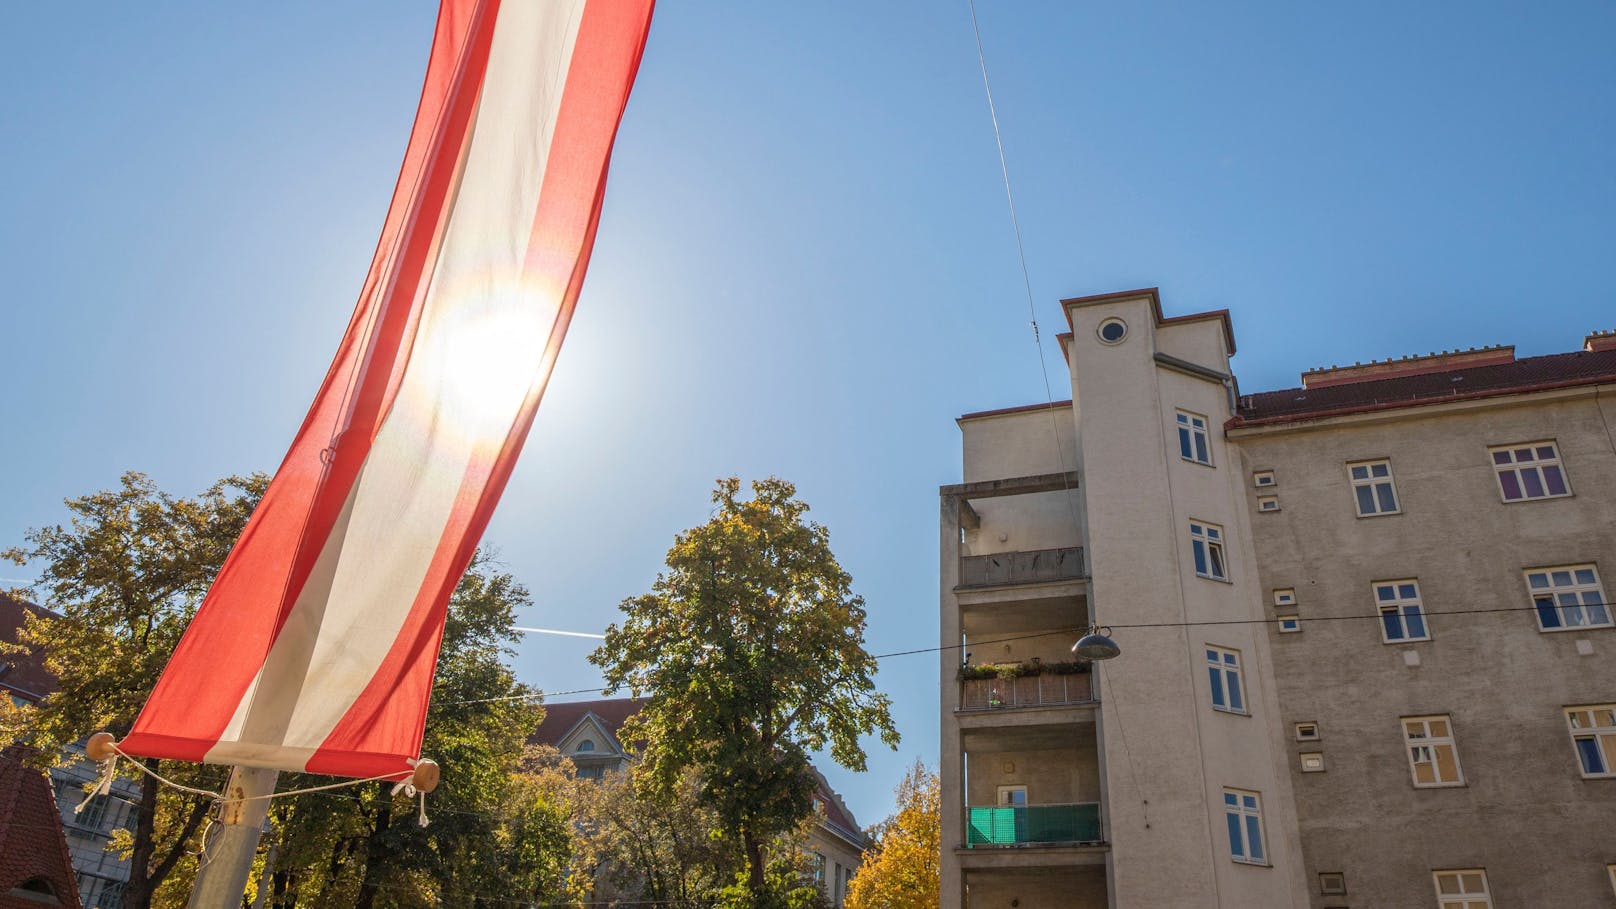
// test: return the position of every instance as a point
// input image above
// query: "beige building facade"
(1346, 627)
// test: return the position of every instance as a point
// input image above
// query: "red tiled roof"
(560, 718)
(1530, 374)
(33, 846)
(26, 675)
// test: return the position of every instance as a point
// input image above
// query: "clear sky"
(805, 265)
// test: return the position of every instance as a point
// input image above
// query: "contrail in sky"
(570, 634)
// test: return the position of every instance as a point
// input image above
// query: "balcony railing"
(1047, 690)
(1026, 825)
(1033, 566)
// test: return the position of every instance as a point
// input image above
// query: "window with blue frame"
(1194, 444)
(1223, 670)
(1567, 597)
(1402, 617)
(1243, 812)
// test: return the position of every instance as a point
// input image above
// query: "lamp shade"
(1096, 646)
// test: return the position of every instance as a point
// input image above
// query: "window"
(1112, 331)
(1432, 756)
(819, 870)
(1332, 883)
(1402, 618)
(1462, 889)
(1372, 486)
(1290, 624)
(586, 745)
(1223, 669)
(1593, 735)
(1285, 596)
(1268, 503)
(1206, 542)
(1307, 732)
(1567, 597)
(1243, 811)
(1193, 443)
(1262, 478)
(1312, 761)
(1013, 796)
(1530, 471)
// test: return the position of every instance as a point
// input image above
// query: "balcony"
(1046, 690)
(1032, 825)
(1033, 566)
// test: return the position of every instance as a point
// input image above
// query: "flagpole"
(221, 879)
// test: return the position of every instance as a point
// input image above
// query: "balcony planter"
(1032, 684)
(1023, 670)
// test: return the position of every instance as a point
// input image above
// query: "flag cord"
(402, 780)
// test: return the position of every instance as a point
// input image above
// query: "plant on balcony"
(1022, 670)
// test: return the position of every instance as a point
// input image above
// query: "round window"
(1112, 331)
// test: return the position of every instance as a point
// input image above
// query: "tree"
(751, 649)
(643, 845)
(126, 576)
(902, 870)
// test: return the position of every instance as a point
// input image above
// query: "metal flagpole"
(221, 879)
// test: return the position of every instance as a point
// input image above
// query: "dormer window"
(586, 745)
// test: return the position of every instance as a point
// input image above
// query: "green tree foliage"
(751, 649)
(640, 844)
(126, 575)
(902, 871)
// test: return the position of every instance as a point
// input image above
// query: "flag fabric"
(314, 649)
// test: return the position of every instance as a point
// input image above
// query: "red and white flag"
(315, 647)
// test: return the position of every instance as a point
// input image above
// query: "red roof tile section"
(1585, 367)
(559, 719)
(1446, 361)
(22, 674)
(33, 849)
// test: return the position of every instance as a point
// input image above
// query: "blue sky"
(805, 266)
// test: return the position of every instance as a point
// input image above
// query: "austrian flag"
(315, 647)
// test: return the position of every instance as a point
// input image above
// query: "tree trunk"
(374, 856)
(137, 892)
(754, 865)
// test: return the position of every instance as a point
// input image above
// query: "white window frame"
(1226, 680)
(1407, 608)
(1194, 439)
(1011, 790)
(1374, 483)
(1242, 815)
(1464, 897)
(1302, 734)
(1289, 624)
(1333, 883)
(1424, 748)
(1268, 503)
(1312, 761)
(1593, 725)
(1575, 602)
(1527, 466)
(1285, 596)
(1209, 555)
(1264, 479)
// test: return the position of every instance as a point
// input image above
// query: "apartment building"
(1366, 652)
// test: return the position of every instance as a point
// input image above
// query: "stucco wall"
(1543, 834)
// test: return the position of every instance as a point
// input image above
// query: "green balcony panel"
(1030, 824)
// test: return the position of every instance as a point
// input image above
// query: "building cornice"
(1394, 411)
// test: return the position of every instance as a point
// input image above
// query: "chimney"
(1413, 365)
(1600, 340)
